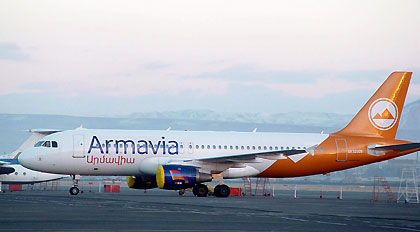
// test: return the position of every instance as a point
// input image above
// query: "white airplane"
(11, 172)
(177, 160)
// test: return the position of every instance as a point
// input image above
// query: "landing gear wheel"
(74, 190)
(221, 190)
(181, 192)
(200, 190)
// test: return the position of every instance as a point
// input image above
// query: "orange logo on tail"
(383, 114)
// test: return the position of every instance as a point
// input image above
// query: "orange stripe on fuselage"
(325, 161)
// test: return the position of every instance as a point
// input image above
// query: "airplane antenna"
(255, 130)
(169, 128)
(322, 132)
(80, 127)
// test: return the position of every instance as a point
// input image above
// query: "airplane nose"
(27, 159)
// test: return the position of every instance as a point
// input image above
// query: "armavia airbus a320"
(177, 160)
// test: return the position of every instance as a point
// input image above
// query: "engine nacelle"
(6, 170)
(175, 177)
(141, 182)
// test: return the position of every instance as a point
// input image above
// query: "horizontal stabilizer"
(398, 147)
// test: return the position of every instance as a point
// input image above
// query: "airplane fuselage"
(131, 152)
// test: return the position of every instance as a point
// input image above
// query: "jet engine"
(6, 170)
(141, 182)
(176, 177)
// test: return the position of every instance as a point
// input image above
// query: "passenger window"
(242, 147)
(259, 147)
(276, 148)
(265, 147)
(271, 148)
(54, 144)
(202, 146)
(247, 147)
(225, 147)
(220, 146)
(214, 146)
(231, 147)
(197, 146)
(237, 147)
(47, 144)
(253, 147)
(208, 146)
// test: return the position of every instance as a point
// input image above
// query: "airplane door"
(341, 149)
(78, 146)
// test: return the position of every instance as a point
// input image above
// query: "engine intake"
(141, 182)
(176, 177)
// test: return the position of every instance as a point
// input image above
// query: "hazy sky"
(118, 57)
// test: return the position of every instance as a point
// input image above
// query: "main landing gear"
(200, 190)
(221, 190)
(74, 190)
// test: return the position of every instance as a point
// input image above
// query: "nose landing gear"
(74, 190)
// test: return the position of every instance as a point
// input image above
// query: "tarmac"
(157, 210)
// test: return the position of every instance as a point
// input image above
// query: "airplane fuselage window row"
(54, 144)
(17, 173)
(46, 144)
(214, 147)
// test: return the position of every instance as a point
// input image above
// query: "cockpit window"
(46, 144)
(38, 144)
(54, 144)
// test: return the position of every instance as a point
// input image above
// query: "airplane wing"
(251, 157)
(8, 161)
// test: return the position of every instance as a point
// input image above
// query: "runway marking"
(294, 219)
(332, 223)
(395, 227)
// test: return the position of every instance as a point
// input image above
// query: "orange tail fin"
(381, 114)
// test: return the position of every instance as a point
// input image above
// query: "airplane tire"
(222, 190)
(200, 190)
(74, 190)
